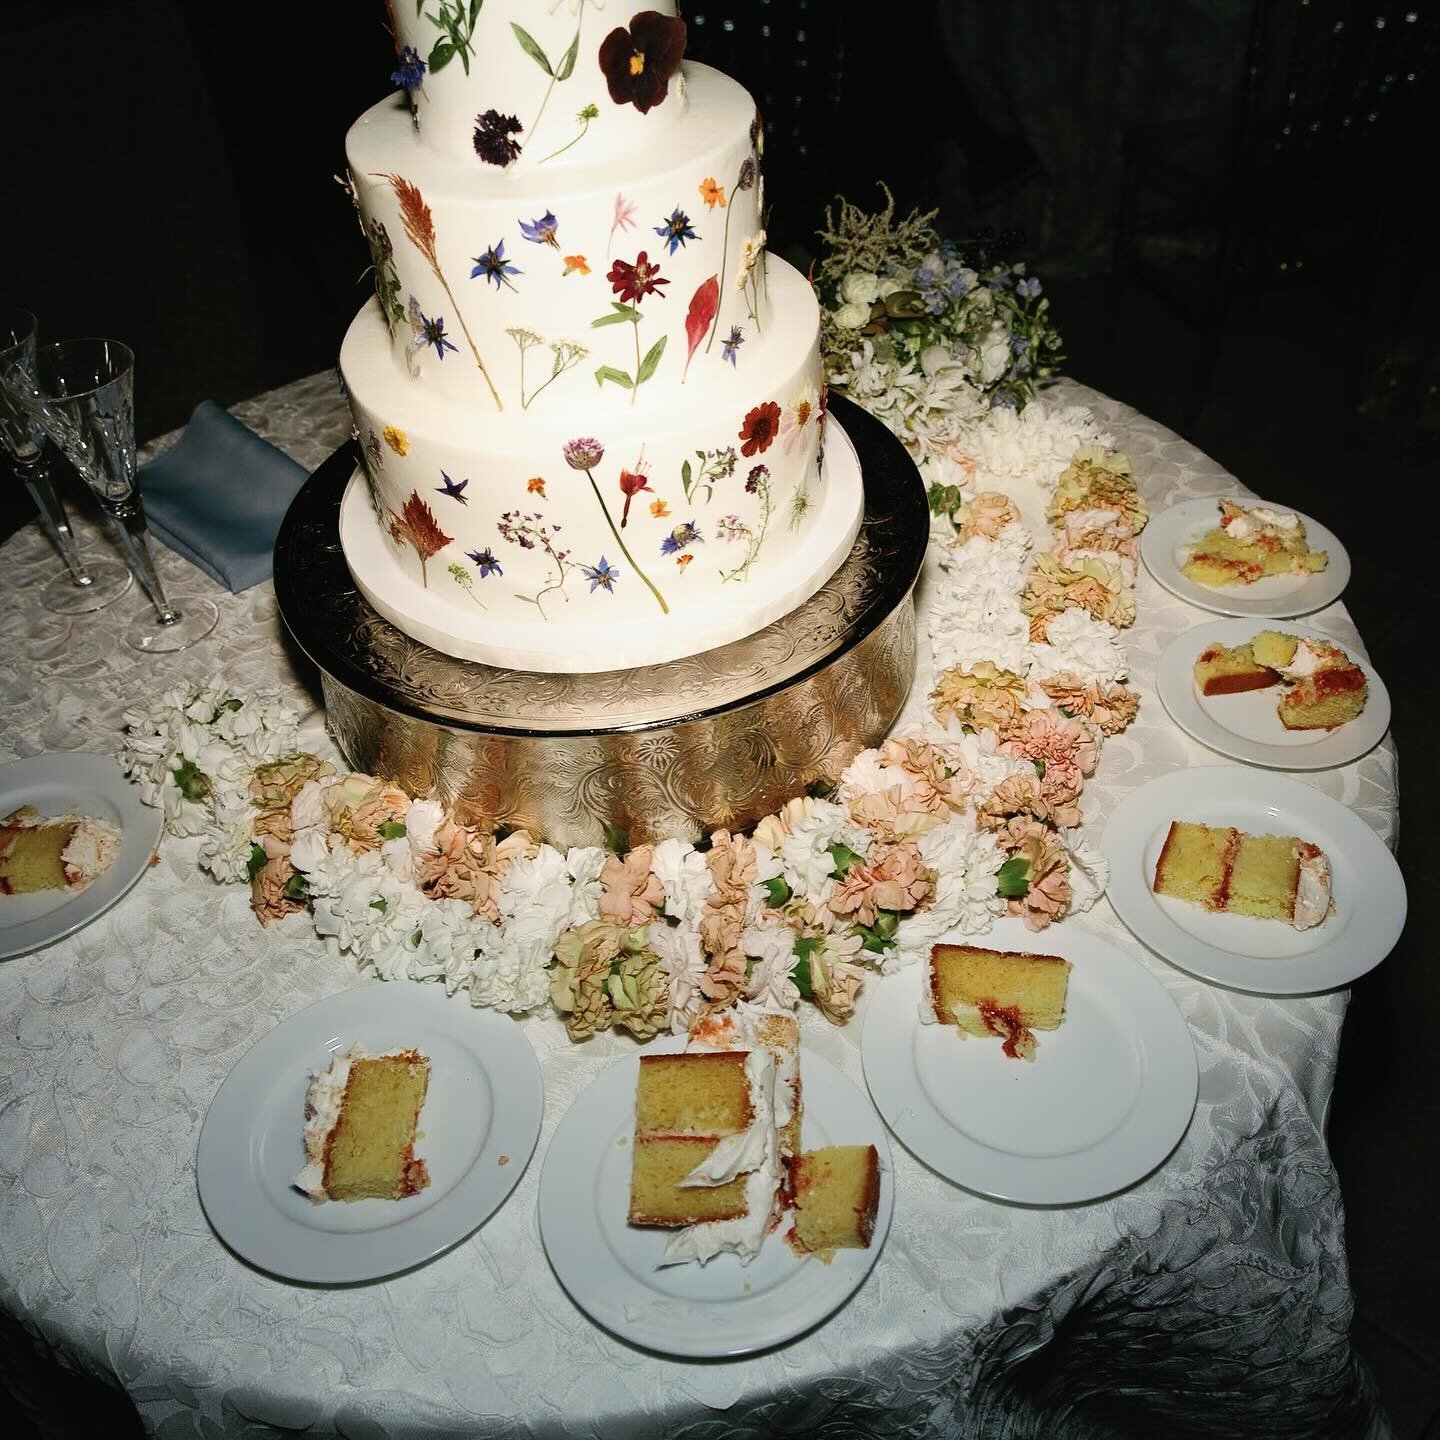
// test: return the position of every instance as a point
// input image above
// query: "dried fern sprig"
(859, 240)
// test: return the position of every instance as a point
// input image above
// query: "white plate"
(1165, 541)
(75, 784)
(1106, 1099)
(724, 1308)
(1247, 726)
(1267, 957)
(477, 1132)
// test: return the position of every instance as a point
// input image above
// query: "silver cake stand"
(717, 739)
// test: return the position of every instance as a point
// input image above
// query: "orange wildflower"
(535, 485)
(575, 263)
(659, 509)
(711, 193)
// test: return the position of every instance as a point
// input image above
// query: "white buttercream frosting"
(322, 1113)
(1308, 658)
(1255, 521)
(91, 851)
(1312, 893)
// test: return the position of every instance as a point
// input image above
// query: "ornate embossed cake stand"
(717, 739)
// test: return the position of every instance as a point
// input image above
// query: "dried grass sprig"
(856, 239)
(419, 226)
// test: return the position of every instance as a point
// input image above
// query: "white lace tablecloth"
(1212, 1298)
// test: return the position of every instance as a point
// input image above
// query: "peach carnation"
(835, 977)
(1093, 584)
(896, 880)
(267, 886)
(981, 695)
(942, 782)
(1048, 897)
(985, 517)
(1110, 707)
(1099, 479)
(468, 864)
(1065, 748)
(1014, 795)
(631, 891)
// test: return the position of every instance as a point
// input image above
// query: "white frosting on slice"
(1308, 658)
(91, 851)
(739, 1154)
(1312, 894)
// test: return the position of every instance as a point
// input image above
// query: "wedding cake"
(590, 406)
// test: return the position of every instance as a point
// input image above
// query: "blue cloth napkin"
(218, 495)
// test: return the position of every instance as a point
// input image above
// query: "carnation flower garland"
(938, 830)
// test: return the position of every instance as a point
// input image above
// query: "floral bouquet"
(920, 337)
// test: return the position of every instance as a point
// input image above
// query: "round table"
(1212, 1296)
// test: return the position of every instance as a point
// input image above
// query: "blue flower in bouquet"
(1000, 277)
(602, 576)
(1028, 288)
(493, 266)
(959, 280)
(485, 562)
(409, 72)
(676, 230)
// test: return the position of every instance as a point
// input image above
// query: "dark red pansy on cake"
(638, 62)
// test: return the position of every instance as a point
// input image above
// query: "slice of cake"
(998, 992)
(67, 853)
(1249, 544)
(1230, 670)
(1271, 877)
(837, 1194)
(685, 1105)
(361, 1114)
(1324, 687)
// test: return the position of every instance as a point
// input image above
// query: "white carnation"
(685, 877)
(1089, 871)
(1077, 643)
(225, 843)
(771, 984)
(584, 864)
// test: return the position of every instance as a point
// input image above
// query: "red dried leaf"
(703, 305)
(421, 528)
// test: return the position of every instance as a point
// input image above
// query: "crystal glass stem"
(53, 518)
(127, 520)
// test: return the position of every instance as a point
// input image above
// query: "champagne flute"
(84, 401)
(86, 587)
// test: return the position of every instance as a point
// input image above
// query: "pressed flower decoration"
(565, 355)
(559, 70)
(409, 72)
(760, 427)
(731, 344)
(453, 489)
(757, 482)
(455, 20)
(492, 265)
(542, 231)
(638, 62)
(744, 180)
(698, 318)
(530, 532)
(676, 230)
(420, 231)
(632, 283)
(463, 578)
(576, 265)
(713, 466)
(485, 562)
(623, 219)
(711, 193)
(583, 117)
(387, 279)
(602, 576)
(681, 537)
(432, 333)
(395, 438)
(632, 482)
(535, 485)
(659, 509)
(417, 526)
(494, 138)
(584, 455)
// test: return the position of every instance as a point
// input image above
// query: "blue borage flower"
(680, 537)
(485, 562)
(455, 489)
(602, 576)
(409, 72)
(732, 343)
(432, 332)
(676, 230)
(492, 265)
(542, 231)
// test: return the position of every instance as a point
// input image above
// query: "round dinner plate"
(75, 784)
(477, 1131)
(612, 1269)
(1247, 726)
(1105, 1100)
(1267, 957)
(1165, 541)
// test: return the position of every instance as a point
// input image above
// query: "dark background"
(1226, 200)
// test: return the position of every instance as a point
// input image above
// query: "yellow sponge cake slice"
(998, 992)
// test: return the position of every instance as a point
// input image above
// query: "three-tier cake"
(590, 407)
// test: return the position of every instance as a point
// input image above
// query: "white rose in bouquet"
(860, 287)
(994, 355)
(935, 358)
(853, 315)
(888, 286)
